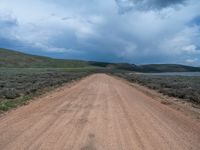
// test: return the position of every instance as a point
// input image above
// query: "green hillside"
(14, 59)
(120, 66)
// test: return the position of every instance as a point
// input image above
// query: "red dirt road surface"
(98, 113)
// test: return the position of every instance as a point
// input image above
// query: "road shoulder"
(187, 108)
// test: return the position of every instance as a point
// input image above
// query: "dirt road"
(98, 113)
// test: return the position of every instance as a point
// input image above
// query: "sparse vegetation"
(187, 88)
(17, 86)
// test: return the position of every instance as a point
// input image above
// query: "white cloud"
(96, 28)
(182, 43)
(50, 48)
(192, 61)
(191, 49)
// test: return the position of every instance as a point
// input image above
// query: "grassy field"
(17, 86)
(186, 88)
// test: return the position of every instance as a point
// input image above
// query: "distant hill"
(121, 66)
(14, 59)
(166, 68)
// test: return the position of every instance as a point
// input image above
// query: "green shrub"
(6, 105)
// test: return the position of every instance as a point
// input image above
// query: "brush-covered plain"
(17, 86)
(183, 87)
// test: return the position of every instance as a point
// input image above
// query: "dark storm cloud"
(7, 22)
(195, 21)
(164, 3)
(127, 5)
(7, 25)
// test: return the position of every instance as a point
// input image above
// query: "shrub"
(10, 93)
(6, 105)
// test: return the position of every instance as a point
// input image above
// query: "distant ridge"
(167, 68)
(14, 59)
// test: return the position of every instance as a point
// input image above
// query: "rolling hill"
(14, 59)
(166, 68)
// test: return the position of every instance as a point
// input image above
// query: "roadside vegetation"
(186, 88)
(18, 86)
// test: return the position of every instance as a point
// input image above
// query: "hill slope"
(166, 68)
(14, 59)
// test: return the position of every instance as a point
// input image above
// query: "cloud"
(127, 5)
(50, 48)
(191, 49)
(7, 24)
(7, 21)
(195, 21)
(192, 61)
(95, 30)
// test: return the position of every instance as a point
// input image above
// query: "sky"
(133, 31)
